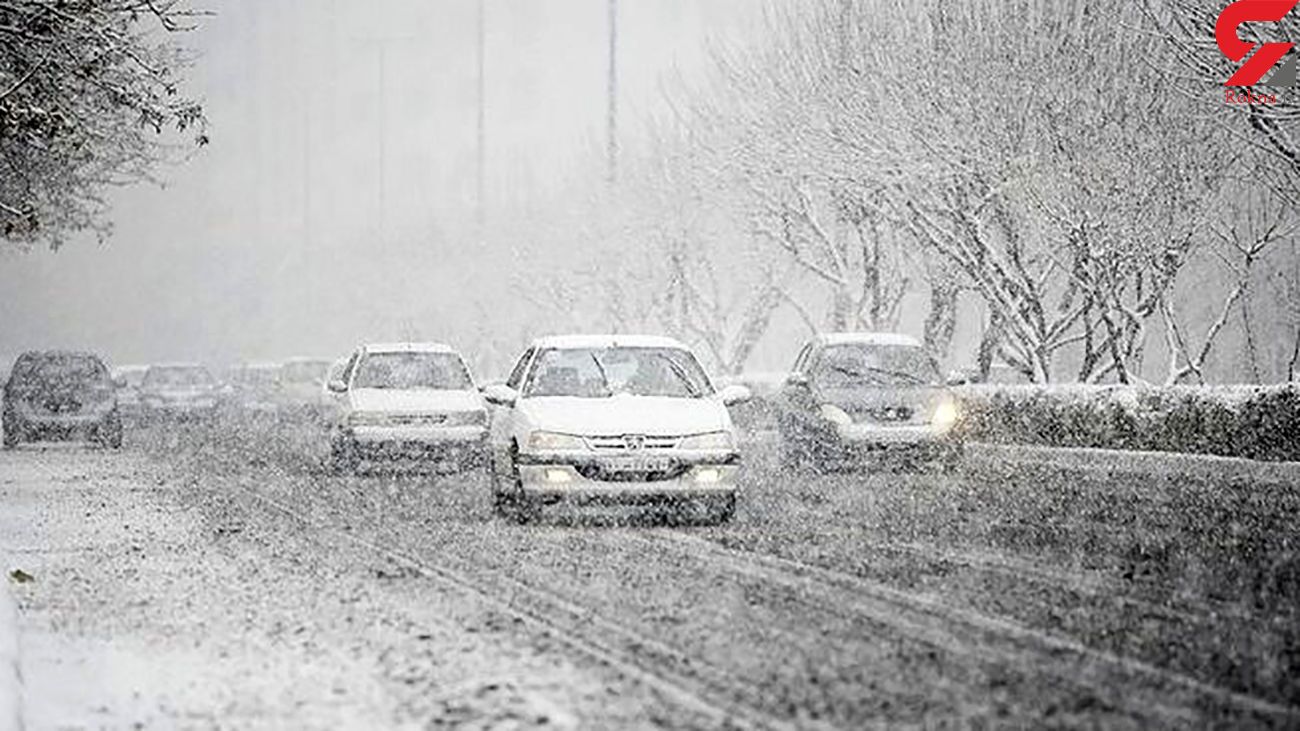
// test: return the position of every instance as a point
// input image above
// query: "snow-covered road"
(207, 578)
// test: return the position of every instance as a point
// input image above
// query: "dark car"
(852, 396)
(60, 395)
(180, 391)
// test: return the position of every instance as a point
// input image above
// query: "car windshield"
(177, 377)
(133, 377)
(843, 366)
(304, 371)
(603, 372)
(68, 369)
(411, 371)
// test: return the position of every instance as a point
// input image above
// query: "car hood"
(424, 401)
(920, 399)
(625, 414)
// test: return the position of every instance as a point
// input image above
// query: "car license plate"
(639, 464)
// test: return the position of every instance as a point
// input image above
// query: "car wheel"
(723, 510)
(109, 433)
(343, 457)
(523, 509)
(793, 454)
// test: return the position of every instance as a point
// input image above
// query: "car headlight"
(549, 440)
(945, 416)
(367, 418)
(711, 440)
(836, 415)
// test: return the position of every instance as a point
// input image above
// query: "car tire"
(723, 510)
(518, 506)
(792, 455)
(343, 457)
(109, 433)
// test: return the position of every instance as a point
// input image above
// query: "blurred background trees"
(1040, 186)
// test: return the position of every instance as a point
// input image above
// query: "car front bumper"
(658, 479)
(853, 442)
(464, 446)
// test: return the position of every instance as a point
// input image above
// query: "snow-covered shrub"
(1235, 421)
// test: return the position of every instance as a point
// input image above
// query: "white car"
(624, 420)
(407, 402)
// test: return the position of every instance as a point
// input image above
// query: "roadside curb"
(10, 673)
(1116, 460)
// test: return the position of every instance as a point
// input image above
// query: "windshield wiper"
(868, 371)
(604, 377)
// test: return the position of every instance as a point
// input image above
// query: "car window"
(517, 375)
(412, 371)
(874, 365)
(177, 377)
(603, 372)
(63, 369)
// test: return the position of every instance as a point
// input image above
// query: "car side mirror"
(499, 394)
(338, 385)
(734, 395)
(799, 380)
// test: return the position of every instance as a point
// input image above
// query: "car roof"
(178, 365)
(267, 366)
(407, 348)
(307, 360)
(133, 368)
(572, 342)
(868, 338)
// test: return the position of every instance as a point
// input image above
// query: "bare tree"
(87, 90)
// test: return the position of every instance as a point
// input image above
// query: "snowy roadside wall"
(10, 688)
(1253, 422)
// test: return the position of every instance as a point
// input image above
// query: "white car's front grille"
(632, 443)
(415, 419)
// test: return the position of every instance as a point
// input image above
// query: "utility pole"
(612, 112)
(481, 162)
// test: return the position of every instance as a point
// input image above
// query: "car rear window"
(177, 376)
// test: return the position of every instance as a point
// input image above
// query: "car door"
(502, 429)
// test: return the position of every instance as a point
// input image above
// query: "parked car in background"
(180, 391)
(854, 395)
(127, 379)
(615, 420)
(302, 393)
(407, 404)
(60, 395)
(255, 389)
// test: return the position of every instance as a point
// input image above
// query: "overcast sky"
(340, 128)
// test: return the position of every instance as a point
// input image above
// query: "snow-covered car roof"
(571, 342)
(407, 348)
(124, 369)
(178, 364)
(305, 359)
(868, 339)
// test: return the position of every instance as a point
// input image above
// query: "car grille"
(887, 414)
(415, 419)
(632, 443)
(601, 473)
